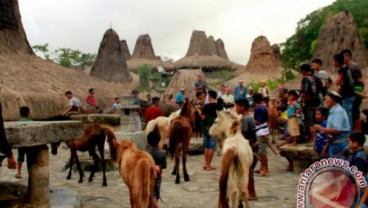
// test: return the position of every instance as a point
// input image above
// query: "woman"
(338, 127)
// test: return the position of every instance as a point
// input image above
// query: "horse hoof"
(80, 181)
(90, 180)
(104, 184)
(177, 181)
(173, 173)
(186, 178)
(68, 177)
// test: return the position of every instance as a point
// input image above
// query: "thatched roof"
(220, 46)
(262, 63)
(277, 53)
(144, 54)
(125, 50)
(134, 63)
(110, 64)
(183, 78)
(39, 84)
(203, 53)
(338, 33)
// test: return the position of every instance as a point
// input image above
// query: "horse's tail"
(145, 182)
(175, 130)
(150, 126)
(227, 160)
(110, 139)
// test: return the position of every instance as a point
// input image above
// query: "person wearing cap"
(179, 99)
(264, 90)
(338, 127)
(240, 91)
(138, 112)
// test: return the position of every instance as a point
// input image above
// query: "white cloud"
(81, 24)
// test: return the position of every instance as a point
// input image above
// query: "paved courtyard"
(277, 190)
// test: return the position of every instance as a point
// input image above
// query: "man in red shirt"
(153, 111)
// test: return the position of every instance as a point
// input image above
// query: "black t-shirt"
(210, 112)
(158, 156)
(248, 128)
(347, 85)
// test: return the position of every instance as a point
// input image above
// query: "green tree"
(42, 49)
(144, 73)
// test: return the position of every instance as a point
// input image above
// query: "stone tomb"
(34, 137)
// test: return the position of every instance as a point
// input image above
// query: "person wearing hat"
(240, 91)
(179, 99)
(338, 127)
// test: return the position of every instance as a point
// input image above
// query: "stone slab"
(138, 137)
(111, 119)
(41, 132)
(65, 198)
(196, 146)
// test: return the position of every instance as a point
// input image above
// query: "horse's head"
(122, 147)
(227, 122)
(187, 110)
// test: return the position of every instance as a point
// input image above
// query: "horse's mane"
(174, 114)
(186, 110)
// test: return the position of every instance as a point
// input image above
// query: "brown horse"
(181, 132)
(94, 135)
(138, 171)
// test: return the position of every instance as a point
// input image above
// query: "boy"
(74, 104)
(24, 118)
(358, 156)
(321, 138)
(117, 104)
(153, 138)
(262, 132)
(198, 103)
(293, 110)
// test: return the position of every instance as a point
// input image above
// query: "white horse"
(163, 124)
(237, 159)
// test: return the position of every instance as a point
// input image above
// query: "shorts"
(293, 127)
(21, 154)
(262, 145)
(209, 142)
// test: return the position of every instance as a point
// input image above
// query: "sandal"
(18, 175)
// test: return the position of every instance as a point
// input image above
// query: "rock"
(109, 64)
(125, 50)
(220, 46)
(277, 53)
(143, 48)
(65, 198)
(338, 33)
(110, 119)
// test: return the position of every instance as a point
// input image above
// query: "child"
(293, 110)
(321, 138)
(198, 103)
(358, 157)
(153, 138)
(117, 104)
(24, 118)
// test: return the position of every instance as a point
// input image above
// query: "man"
(359, 86)
(200, 85)
(179, 99)
(248, 128)
(221, 91)
(240, 91)
(5, 148)
(322, 74)
(309, 97)
(149, 98)
(153, 111)
(208, 116)
(228, 97)
(74, 104)
(138, 112)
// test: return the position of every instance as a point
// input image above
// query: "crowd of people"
(323, 112)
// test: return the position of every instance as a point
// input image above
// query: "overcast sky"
(80, 24)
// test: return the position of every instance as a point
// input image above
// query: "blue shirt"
(292, 109)
(261, 114)
(179, 98)
(338, 119)
(240, 92)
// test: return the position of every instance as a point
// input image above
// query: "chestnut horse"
(138, 171)
(181, 132)
(236, 160)
(94, 136)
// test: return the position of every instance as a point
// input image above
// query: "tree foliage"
(65, 56)
(300, 47)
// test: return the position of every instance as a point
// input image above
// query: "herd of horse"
(137, 167)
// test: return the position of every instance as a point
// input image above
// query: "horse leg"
(177, 163)
(96, 160)
(184, 160)
(175, 170)
(101, 150)
(69, 176)
(243, 179)
(231, 187)
(81, 175)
